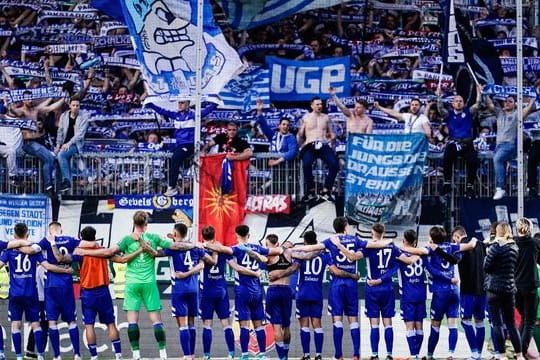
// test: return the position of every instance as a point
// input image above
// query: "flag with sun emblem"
(223, 210)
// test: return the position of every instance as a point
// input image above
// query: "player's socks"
(54, 336)
(389, 339)
(192, 338)
(184, 340)
(433, 339)
(261, 338)
(229, 338)
(244, 339)
(117, 346)
(452, 338)
(319, 340)
(207, 339)
(279, 349)
(286, 347)
(469, 335)
(38, 340)
(419, 340)
(355, 336)
(92, 348)
(338, 339)
(133, 336)
(411, 342)
(159, 334)
(374, 339)
(480, 337)
(305, 339)
(17, 342)
(2, 340)
(74, 337)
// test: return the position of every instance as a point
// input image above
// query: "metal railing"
(105, 173)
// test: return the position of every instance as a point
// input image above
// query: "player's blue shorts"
(279, 304)
(60, 301)
(343, 299)
(472, 306)
(445, 303)
(97, 301)
(413, 311)
(29, 305)
(185, 304)
(380, 303)
(248, 305)
(214, 302)
(309, 308)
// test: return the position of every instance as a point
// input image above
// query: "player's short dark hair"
(181, 229)
(378, 228)
(437, 234)
(459, 230)
(310, 237)
(315, 97)
(362, 102)
(242, 230)
(410, 237)
(88, 233)
(340, 224)
(273, 238)
(21, 230)
(208, 232)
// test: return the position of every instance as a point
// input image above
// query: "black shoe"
(318, 357)
(327, 195)
(446, 189)
(469, 192)
(305, 358)
(65, 186)
(30, 355)
(388, 357)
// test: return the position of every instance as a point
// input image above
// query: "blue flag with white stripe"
(242, 92)
(165, 38)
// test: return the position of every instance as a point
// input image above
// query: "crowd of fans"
(60, 59)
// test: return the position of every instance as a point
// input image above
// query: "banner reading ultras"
(33, 210)
(384, 178)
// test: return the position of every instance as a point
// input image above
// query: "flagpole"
(197, 141)
(519, 55)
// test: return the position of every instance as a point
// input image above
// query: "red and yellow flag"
(223, 211)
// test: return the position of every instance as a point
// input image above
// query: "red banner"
(223, 211)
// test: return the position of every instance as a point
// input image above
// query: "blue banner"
(293, 80)
(477, 214)
(384, 178)
(33, 210)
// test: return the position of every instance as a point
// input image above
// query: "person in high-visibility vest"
(4, 283)
(119, 280)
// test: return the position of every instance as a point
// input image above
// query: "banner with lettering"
(33, 210)
(223, 211)
(294, 80)
(384, 178)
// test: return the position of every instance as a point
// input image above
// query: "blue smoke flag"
(242, 92)
(226, 176)
(164, 33)
(460, 47)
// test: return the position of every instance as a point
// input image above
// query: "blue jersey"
(213, 281)
(65, 245)
(441, 271)
(352, 243)
(22, 272)
(184, 261)
(310, 277)
(245, 282)
(3, 245)
(412, 281)
(382, 264)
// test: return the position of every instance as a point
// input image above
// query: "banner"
(293, 80)
(248, 14)
(165, 38)
(223, 211)
(384, 178)
(477, 214)
(33, 210)
(242, 92)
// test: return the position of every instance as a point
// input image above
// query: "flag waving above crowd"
(164, 33)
